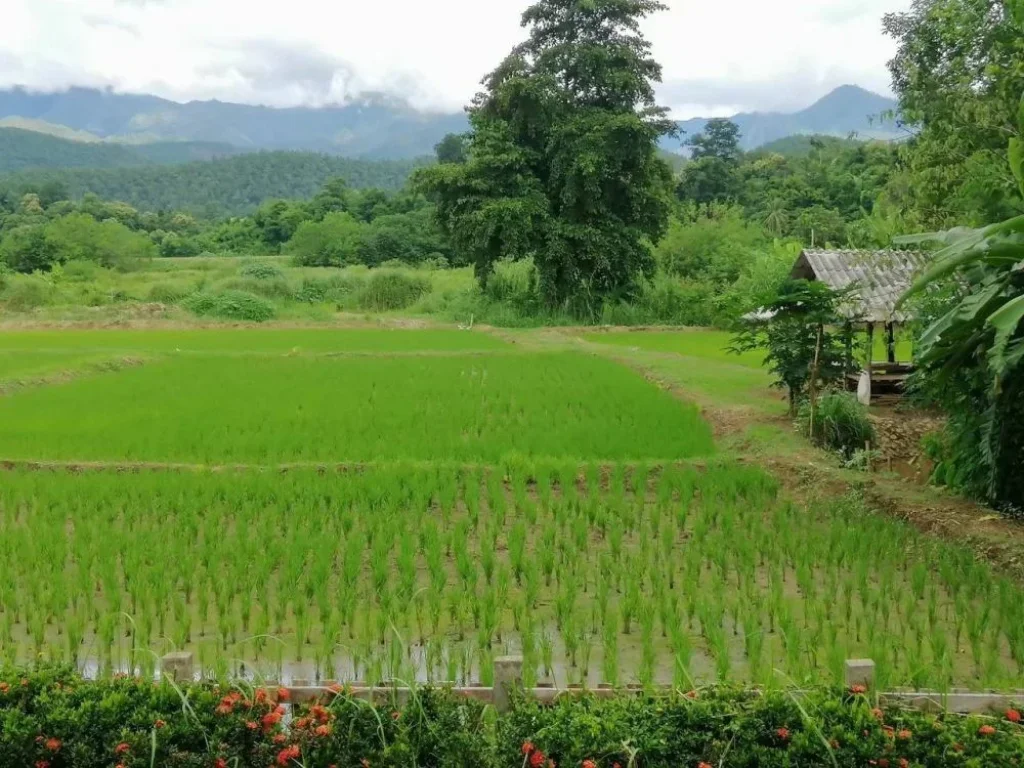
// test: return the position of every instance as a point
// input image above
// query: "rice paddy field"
(371, 505)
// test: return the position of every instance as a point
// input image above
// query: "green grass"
(702, 343)
(713, 345)
(249, 340)
(261, 409)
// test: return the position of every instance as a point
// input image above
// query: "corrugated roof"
(880, 277)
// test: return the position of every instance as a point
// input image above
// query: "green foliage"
(386, 290)
(797, 338)
(53, 716)
(972, 355)
(333, 242)
(958, 74)
(225, 186)
(28, 249)
(841, 423)
(260, 270)
(451, 149)
(713, 246)
(230, 305)
(563, 164)
(108, 243)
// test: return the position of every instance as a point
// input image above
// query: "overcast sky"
(719, 56)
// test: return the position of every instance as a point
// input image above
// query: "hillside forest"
(561, 202)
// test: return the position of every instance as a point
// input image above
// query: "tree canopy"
(562, 163)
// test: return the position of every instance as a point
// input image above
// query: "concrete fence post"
(508, 675)
(860, 672)
(177, 666)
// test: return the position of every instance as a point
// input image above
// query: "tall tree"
(451, 149)
(972, 356)
(958, 72)
(562, 163)
(720, 138)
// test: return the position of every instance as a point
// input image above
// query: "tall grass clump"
(260, 270)
(388, 290)
(841, 423)
(230, 305)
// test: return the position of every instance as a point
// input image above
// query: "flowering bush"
(53, 719)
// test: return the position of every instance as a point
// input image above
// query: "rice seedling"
(429, 571)
(270, 410)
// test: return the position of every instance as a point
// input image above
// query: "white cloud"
(718, 57)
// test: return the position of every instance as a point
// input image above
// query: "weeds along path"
(750, 424)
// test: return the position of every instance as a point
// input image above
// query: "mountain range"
(375, 127)
(848, 110)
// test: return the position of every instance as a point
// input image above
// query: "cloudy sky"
(719, 56)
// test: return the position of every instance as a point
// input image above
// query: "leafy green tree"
(720, 139)
(451, 149)
(333, 242)
(801, 350)
(708, 180)
(958, 73)
(28, 249)
(712, 246)
(277, 221)
(563, 164)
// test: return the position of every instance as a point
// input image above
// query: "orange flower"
(527, 747)
(42, 764)
(878, 714)
(252, 725)
(588, 764)
(904, 735)
(323, 730)
(121, 748)
(159, 724)
(1013, 715)
(220, 762)
(4, 687)
(537, 759)
(53, 745)
(288, 754)
(279, 738)
(783, 733)
(704, 765)
(283, 694)
(858, 689)
(986, 730)
(904, 763)
(261, 696)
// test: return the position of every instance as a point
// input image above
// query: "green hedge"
(53, 719)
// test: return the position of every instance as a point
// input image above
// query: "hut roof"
(880, 279)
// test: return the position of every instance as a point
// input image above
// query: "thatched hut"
(876, 281)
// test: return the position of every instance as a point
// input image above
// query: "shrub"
(260, 270)
(840, 424)
(334, 288)
(167, 293)
(230, 305)
(53, 717)
(26, 292)
(387, 290)
(333, 242)
(270, 288)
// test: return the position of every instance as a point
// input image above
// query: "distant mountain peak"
(848, 109)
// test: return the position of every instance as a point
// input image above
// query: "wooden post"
(890, 342)
(814, 379)
(860, 672)
(871, 357)
(848, 358)
(508, 675)
(178, 667)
